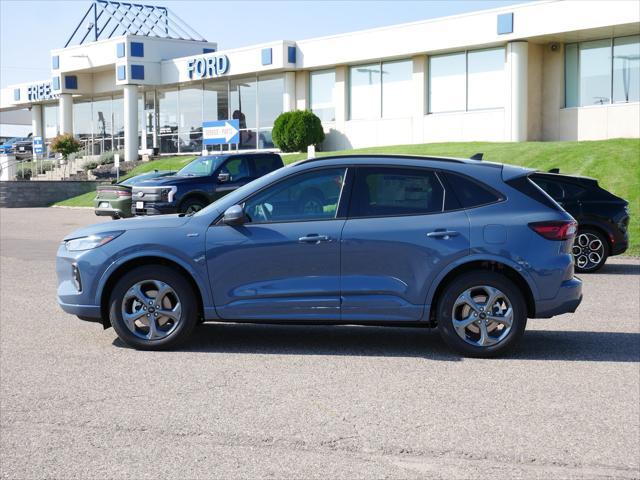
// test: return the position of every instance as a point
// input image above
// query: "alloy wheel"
(482, 316)
(588, 251)
(151, 309)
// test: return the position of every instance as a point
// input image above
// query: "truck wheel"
(153, 307)
(481, 314)
(192, 205)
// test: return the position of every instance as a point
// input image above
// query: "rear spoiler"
(476, 156)
(509, 172)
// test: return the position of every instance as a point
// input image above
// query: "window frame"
(579, 67)
(341, 209)
(401, 167)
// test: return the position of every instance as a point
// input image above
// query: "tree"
(295, 131)
(65, 145)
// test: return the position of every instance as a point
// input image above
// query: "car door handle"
(313, 238)
(444, 234)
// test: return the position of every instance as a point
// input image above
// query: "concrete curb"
(71, 208)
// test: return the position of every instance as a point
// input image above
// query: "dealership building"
(135, 77)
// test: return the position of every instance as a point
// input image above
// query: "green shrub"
(65, 145)
(295, 131)
(107, 158)
(90, 165)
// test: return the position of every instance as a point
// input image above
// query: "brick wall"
(16, 194)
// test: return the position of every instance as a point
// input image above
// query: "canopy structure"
(105, 19)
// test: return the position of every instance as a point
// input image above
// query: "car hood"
(135, 223)
(169, 180)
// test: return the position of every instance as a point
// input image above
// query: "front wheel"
(153, 308)
(590, 250)
(481, 314)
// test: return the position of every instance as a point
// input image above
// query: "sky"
(29, 29)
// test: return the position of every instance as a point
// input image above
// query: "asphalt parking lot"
(308, 402)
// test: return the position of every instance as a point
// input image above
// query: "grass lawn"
(615, 163)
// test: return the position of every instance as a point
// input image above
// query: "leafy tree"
(295, 131)
(65, 145)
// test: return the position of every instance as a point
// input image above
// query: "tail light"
(563, 230)
(123, 193)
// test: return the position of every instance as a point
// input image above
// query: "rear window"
(265, 164)
(526, 186)
(468, 192)
(557, 189)
(395, 191)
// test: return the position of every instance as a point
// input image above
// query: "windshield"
(200, 167)
(143, 176)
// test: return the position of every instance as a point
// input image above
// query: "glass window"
(571, 75)
(270, 94)
(552, 188)
(82, 119)
(200, 167)
(447, 83)
(264, 164)
(364, 91)
(102, 117)
(118, 116)
(216, 101)
(242, 100)
(595, 72)
(397, 90)
(51, 128)
(168, 111)
(239, 169)
(305, 197)
(322, 92)
(485, 87)
(468, 192)
(626, 69)
(380, 191)
(190, 109)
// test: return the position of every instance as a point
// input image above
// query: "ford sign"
(207, 67)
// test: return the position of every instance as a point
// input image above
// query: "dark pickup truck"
(200, 182)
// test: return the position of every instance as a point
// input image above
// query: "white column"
(419, 78)
(289, 97)
(36, 121)
(130, 123)
(66, 113)
(515, 108)
(302, 90)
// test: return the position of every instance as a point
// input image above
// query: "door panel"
(388, 264)
(265, 271)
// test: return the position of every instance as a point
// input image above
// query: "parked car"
(603, 218)
(469, 247)
(8, 147)
(202, 181)
(115, 200)
(23, 149)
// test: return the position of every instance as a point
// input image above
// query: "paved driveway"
(308, 402)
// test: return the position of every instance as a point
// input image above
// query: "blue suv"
(471, 248)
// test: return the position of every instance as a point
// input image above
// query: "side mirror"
(234, 215)
(224, 177)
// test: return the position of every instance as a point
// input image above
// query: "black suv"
(603, 218)
(201, 182)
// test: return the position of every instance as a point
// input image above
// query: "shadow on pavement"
(402, 342)
(619, 269)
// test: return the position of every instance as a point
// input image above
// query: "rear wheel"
(153, 308)
(481, 314)
(590, 250)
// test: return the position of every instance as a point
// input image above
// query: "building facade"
(549, 70)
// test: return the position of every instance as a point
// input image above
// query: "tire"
(584, 255)
(498, 338)
(126, 298)
(192, 205)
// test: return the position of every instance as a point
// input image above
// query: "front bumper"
(566, 301)
(84, 311)
(154, 208)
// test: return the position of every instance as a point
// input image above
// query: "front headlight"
(167, 193)
(90, 242)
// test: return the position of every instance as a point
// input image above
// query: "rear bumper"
(620, 246)
(566, 301)
(111, 212)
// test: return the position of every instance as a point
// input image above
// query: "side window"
(308, 196)
(553, 189)
(264, 164)
(571, 190)
(238, 168)
(384, 191)
(469, 193)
